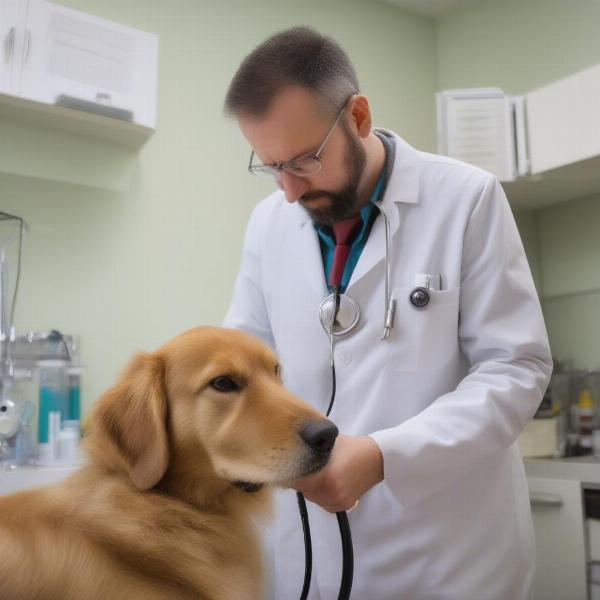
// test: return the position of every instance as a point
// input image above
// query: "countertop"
(30, 477)
(578, 468)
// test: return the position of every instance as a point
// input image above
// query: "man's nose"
(293, 186)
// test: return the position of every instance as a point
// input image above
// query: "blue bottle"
(74, 394)
(53, 407)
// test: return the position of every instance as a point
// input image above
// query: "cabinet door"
(12, 23)
(84, 61)
(562, 121)
(557, 509)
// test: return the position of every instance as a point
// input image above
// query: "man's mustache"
(317, 194)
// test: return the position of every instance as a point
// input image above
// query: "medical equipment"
(17, 445)
(347, 311)
(9, 418)
(21, 356)
(15, 415)
(344, 232)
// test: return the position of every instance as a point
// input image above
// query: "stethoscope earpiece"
(419, 297)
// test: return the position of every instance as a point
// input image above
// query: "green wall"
(520, 45)
(138, 247)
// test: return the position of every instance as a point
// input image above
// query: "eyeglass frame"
(278, 167)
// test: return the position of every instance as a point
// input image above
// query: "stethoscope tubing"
(390, 303)
(342, 517)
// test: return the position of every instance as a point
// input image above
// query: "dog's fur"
(155, 512)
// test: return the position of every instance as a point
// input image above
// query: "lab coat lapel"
(402, 188)
(305, 251)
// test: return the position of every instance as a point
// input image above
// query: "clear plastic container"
(592, 383)
(585, 413)
(556, 404)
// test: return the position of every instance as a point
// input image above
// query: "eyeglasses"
(301, 167)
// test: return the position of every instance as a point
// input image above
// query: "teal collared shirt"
(368, 213)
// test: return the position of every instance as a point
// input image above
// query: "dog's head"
(209, 403)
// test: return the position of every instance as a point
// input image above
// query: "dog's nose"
(319, 435)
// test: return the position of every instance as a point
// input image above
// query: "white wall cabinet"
(564, 121)
(558, 521)
(56, 57)
(563, 131)
(555, 139)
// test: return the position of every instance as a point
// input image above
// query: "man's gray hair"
(298, 56)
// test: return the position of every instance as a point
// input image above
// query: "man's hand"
(355, 466)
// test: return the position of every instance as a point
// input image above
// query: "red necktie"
(345, 231)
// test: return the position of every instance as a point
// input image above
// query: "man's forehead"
(297, 98)
(291, 125)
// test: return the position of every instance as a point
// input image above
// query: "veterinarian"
(430, 406)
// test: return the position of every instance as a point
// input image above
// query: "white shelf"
(576, 180)
(115, 131)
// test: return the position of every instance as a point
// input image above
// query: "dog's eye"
(224, 383)
(278, 370)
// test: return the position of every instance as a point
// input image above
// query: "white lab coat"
(445, 396)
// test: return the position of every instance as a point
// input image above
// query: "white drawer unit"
(557, 509)
(593, 531)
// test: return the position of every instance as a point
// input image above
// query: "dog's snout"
(319, 435)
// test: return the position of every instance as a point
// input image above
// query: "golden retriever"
(179, 451)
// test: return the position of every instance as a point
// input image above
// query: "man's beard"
(345, 202)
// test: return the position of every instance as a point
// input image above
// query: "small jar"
(68, 447)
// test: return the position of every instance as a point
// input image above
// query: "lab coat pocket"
(426, 338)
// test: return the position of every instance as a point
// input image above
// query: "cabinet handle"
(541, 499)
(9, 45)
(27, 49)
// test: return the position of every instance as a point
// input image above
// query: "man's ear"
(360, 115)
(128, 426)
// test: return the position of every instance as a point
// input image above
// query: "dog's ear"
(128, 426)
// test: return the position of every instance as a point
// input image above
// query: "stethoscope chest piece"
(346, 318)
(419, 297)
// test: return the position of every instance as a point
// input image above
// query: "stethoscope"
(339, 314)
